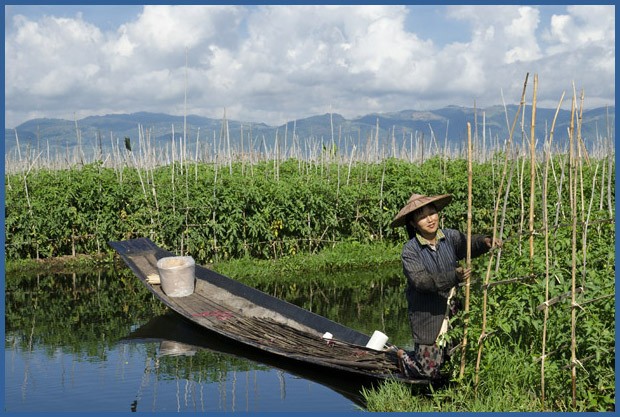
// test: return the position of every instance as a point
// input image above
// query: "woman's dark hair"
(410, 228)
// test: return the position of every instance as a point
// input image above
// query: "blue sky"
(278, 63)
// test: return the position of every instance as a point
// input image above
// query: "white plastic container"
(177, 275)
(377, 341)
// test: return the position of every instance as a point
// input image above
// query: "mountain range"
(447, 125)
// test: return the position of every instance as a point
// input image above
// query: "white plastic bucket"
(177, 275)
(377, 341)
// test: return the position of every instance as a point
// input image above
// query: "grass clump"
(509, 384)
(342, 256)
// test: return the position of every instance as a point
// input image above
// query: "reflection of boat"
(253, 318)
(186, 337)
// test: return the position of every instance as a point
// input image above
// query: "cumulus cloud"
(278, 63)
(580, 27)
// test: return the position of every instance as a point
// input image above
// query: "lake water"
(100, 342)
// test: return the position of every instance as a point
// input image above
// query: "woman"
(430, 263)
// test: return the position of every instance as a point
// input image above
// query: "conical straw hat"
(418, 200)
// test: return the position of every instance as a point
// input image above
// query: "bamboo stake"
(573, 205)
(602, 193)
(521, 176)
(503, 216)
(172, 146)
(350, 163)
(488, 273)
(610, 205)
(381, 200)
(506, 194)
(558, 209)
(580, 156)
(547, 266)
(475, 126)
(580, 141)
(228, 145)
(285, 140)
(468, 256)
(533, 169)
(196, 153)
(585, 229)
(19, 151)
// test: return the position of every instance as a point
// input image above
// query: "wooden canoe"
(259, 320)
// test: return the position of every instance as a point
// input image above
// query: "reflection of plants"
(79, 312)
(203, 366)
(365, 300)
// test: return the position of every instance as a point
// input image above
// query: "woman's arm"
(422, 280)
(480, 244)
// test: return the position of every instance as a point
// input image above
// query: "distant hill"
(447, 125)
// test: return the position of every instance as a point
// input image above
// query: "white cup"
(377, 341)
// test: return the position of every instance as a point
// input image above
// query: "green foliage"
(212, 214)
(277, 212)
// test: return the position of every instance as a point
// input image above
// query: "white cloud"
(278, 63)
(51, 57)
(521, 31)
(581, 27)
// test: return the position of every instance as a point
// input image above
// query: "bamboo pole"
(581, 154)
(547, 256)
(573, 206)
(381, 199)
(586, 222)
(610, 205)
(228, 145)
(468, 256)
(184, 146)
(533, 169)
(488, 273)
(503, 215)
(19, 151)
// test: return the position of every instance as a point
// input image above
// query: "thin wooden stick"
(533, 169)
(547, 256)
(509, 281)
(468, 256)
(610, 205)
(573, 203)
(488, 273)
(559, 298)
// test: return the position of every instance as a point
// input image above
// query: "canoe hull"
(254, 318)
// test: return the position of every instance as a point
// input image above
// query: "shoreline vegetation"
(536, 309)
(341, 257)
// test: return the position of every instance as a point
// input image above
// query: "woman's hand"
(463, 274)
(489, 241)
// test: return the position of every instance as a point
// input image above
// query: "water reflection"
(99, 341)
(180, 337)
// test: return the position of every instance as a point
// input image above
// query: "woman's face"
(426, 220)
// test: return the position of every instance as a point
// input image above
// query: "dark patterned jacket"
(430, 276)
